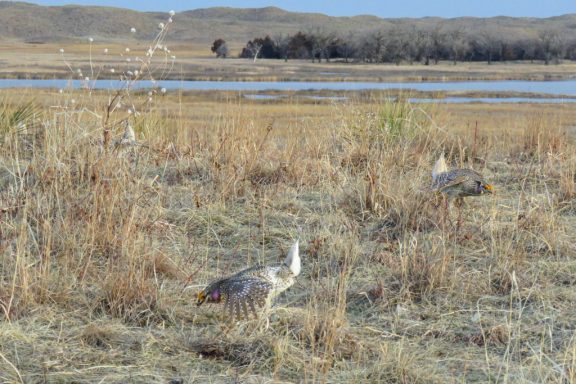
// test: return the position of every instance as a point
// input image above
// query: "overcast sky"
(382, 8)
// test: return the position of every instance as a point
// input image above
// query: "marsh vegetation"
(97, 246)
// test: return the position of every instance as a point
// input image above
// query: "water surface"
(557, 88)
(443, 100)
(491, 100)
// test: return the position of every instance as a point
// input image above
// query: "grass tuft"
(97, 245)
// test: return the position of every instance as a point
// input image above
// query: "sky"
(381, 8)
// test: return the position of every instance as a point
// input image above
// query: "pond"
(566, 88)
(448, 100)
(452, 100)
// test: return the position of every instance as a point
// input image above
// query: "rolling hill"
(35, 23)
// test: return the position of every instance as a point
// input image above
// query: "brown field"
(97, 246)
(196, 62)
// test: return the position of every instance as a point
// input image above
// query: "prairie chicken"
(458, 183)
(253, 289)
(128, 137)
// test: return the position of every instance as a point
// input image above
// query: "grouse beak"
(489, 188)
(201, 298)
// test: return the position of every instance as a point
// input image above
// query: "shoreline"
(312, 79)
(279, 96)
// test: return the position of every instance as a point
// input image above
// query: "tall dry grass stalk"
(96, 247)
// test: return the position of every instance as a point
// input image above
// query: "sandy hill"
(30, 22)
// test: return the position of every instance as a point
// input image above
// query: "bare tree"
(319, 42)
(252, 49)
(457, 43)
(524, 49)
(363, 48)
(402, 43)
(282, 43)
(346, 47)
(437, 38)
(490, 45)
(423, 47)
(256, 48)
(395, 47)
(372, 46)
(322, 42)
(551, 46)
(571, 49)
(411, 45)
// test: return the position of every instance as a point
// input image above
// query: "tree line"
(413, 45)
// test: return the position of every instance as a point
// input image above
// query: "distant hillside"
(29, 22)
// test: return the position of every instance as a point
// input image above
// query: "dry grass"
(96, 246)
(195, 61)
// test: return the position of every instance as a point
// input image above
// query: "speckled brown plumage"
(461, 183)
(458, 183)
(251, 291)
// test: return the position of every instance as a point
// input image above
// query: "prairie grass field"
(196, 62)
(103, 249)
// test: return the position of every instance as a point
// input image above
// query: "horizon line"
(287, 11)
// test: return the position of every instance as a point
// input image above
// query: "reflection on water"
(559, 88)
(259, 96)
(451, 100)
(447, 100)
(264, 97)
